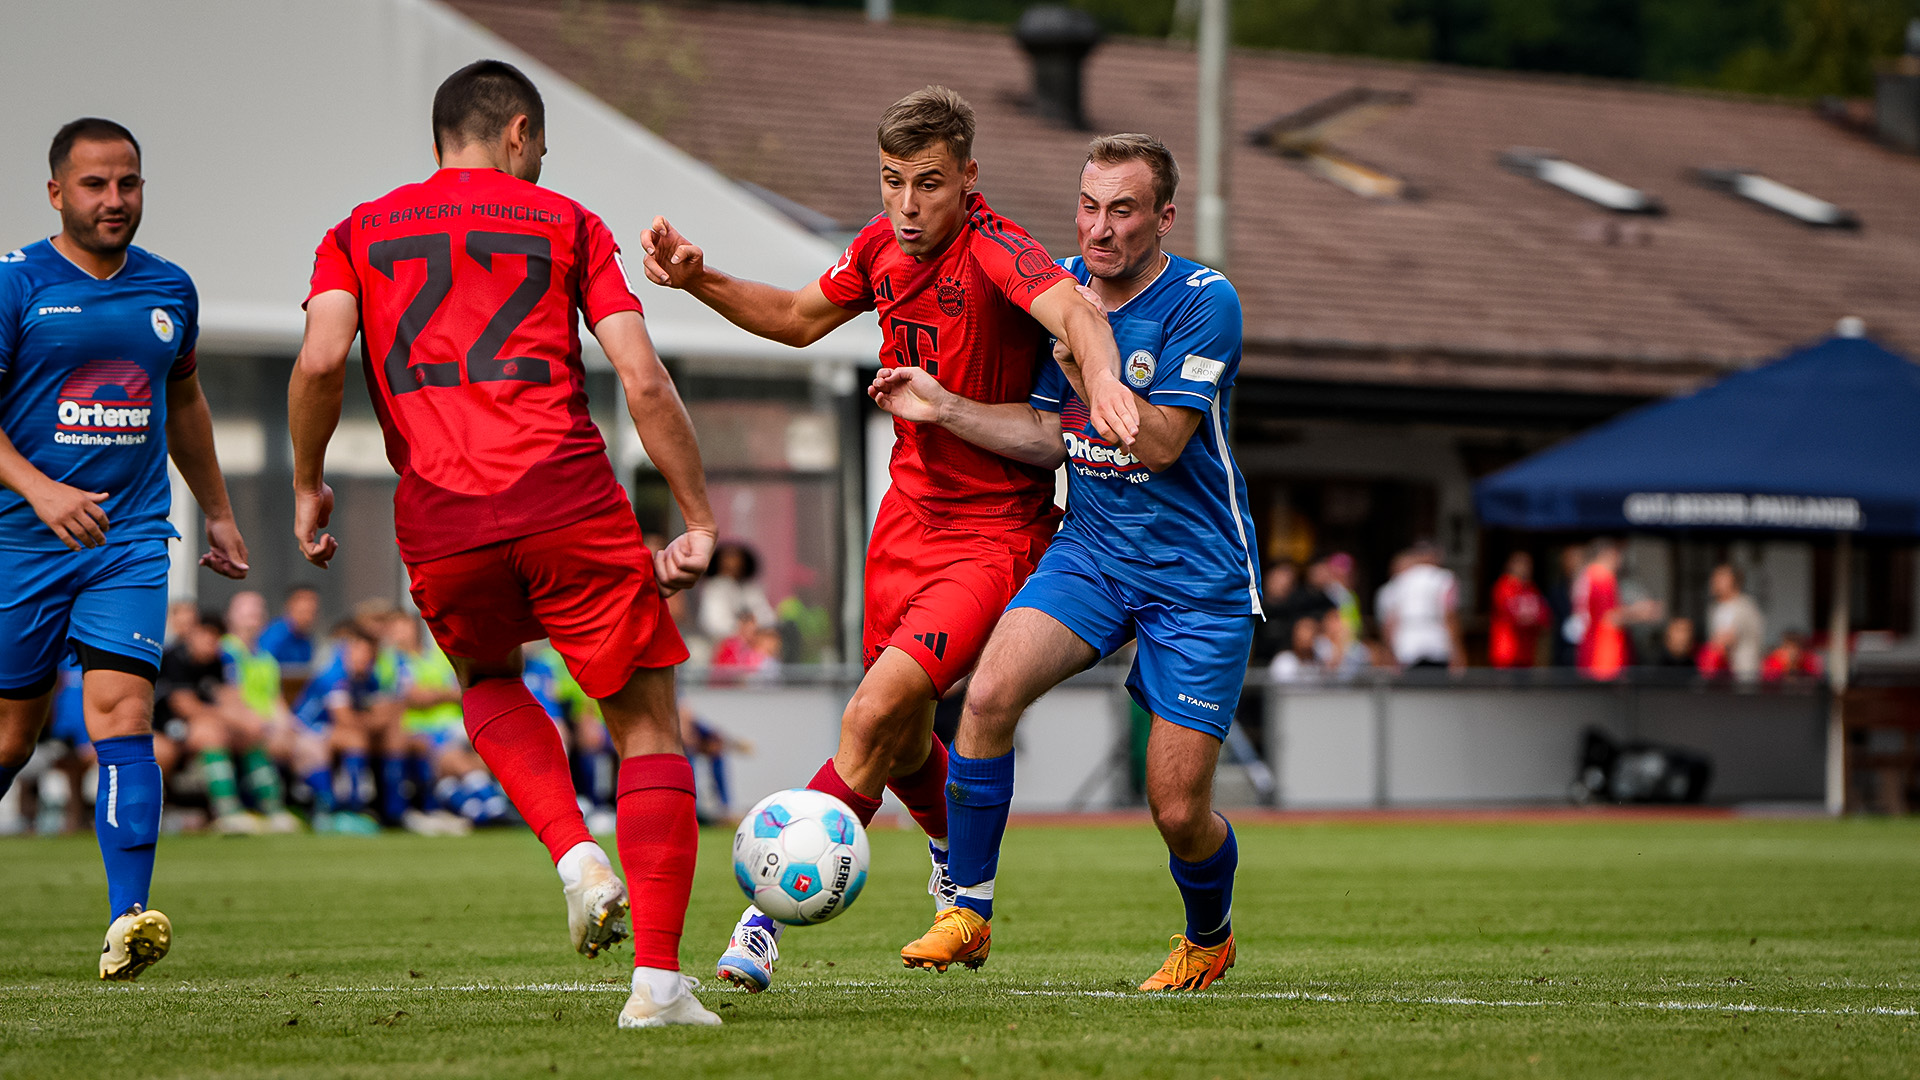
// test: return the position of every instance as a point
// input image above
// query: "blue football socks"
(126, 818)
(1207, 888)
(420, 774)
(320, 781)
(393, 795)
(359, 780)
(978, 792)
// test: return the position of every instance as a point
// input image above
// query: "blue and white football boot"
(751, 952)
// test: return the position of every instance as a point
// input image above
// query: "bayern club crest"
(1140, 368)
(162, 324)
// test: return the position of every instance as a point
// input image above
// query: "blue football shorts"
(1190, 665)
(112, 599)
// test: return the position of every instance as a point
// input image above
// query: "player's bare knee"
(1183, 818)
(130, 715)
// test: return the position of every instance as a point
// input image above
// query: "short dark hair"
(1133, 146)
(931, 115)
(477, 102)
(352, 630)
(296, 590)
(87, 127)
(214, 621)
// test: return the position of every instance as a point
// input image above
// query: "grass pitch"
(1596, 948)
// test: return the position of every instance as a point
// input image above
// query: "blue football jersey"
(84, 367)
(1183, 535)
(335, 688)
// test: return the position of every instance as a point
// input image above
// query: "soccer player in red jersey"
(967, 295)
(466, 290)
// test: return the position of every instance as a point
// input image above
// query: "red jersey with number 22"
(963, 316)
(470, 286)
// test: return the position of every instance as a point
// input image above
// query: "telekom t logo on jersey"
(915, 344)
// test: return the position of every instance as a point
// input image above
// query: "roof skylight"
(1550, 168)
(1776, 196)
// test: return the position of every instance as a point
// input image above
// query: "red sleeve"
(849, 284)
(333, 263)
(1015, 262)
(604, 289)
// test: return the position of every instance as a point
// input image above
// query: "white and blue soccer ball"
(800, 856)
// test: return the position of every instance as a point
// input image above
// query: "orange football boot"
(959, 936)
(1190, 966)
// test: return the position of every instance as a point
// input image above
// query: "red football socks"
(517, 740)
(828, 780)
(658, 841)
(924, 791)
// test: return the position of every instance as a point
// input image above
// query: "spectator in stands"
(290, 637)
(702, 740)
(1419, 613)
(1679, 647)
(1565, 631)
(198, 706)
(335, 715)
(1736, 628)
(1333, 576)
(1288, 599)
(1596, 602)
(730, 592)
(181, 617)
(1791, 659)
(1300, 660)
(1341, 653)
(1519, 615)
(434, 731)
(743, 656)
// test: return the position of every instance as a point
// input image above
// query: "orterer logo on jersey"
(1090, 456)
(104, 403)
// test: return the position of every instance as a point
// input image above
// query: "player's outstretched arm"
(1080, 325)
(313, 411)
(666, 431)
(796, 317)
(190, 444)
(72, 514)
(1015, 430)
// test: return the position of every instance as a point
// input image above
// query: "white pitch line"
(1211, 995)
(1343, 999)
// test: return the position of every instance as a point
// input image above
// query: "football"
(800, 856)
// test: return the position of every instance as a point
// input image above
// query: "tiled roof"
(1486, 278)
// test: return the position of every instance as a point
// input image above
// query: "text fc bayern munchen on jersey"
(470, 286)
(963, 316)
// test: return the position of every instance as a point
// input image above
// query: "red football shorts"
(588, 587)
(935, 594)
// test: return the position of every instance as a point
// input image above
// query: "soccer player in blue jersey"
(1156, 546)
(97, 388)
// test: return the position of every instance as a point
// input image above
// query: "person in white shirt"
(730, 591)
(1738, 629)
(1418, 610)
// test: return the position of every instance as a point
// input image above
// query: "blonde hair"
(927, 116)
(1133, 146)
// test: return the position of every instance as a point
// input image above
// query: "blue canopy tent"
(1826, 439)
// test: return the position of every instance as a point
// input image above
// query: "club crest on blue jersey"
(1140, 369)
(162, 324)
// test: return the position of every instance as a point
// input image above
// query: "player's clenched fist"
(681, 563)
(311, 512)
(909, 393)
(671, 260)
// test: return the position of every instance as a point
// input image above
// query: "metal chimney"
(1058, 39)
(1896, 99)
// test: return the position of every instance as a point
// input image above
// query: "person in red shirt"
(969, 297)
(466, 291)
(1603, 646)
(1519, 614)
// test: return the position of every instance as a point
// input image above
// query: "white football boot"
(940, 885)
(751, 952)
(596, 900)
(135, 942)
(646, 1009)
